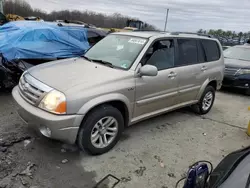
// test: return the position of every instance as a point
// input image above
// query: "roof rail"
(147, 30)
(192, 33)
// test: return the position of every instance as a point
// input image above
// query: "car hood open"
(68, 73)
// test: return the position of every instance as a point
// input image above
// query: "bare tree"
(22, 8)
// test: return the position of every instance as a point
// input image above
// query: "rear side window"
(187, 49)
(211, 49)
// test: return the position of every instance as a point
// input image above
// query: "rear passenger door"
(187, 69)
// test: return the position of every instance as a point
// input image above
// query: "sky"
(184, 15)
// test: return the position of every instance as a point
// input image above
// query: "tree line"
(24, 9)
(227, 37)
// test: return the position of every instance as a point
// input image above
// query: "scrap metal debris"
(28, 170)
(26, 143)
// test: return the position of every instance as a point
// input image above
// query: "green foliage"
(227, 35)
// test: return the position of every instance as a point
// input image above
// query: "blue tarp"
(41, 40)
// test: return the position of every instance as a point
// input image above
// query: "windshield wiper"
(103, 62)
(86, 58)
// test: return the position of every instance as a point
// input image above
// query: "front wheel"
(206, 101)
(101, 130)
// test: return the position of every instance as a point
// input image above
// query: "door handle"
(204, 68)
(172, 75)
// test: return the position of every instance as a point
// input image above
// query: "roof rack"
(147, 30)
(191, 33)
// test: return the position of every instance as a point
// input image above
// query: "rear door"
(187, 69)
(210, 66)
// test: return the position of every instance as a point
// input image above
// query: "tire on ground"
(198, 107)
(84, 134)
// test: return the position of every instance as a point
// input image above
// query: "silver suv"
(125, 78)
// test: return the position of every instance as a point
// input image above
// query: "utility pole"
(1, 6)
(166, 22)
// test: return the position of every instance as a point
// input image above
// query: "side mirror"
(148, 70)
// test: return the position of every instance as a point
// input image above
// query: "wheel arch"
(208, 82)
(118, 101)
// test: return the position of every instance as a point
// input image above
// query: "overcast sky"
(184, 15)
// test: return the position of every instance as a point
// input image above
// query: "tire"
(89, 127)
(199, 107)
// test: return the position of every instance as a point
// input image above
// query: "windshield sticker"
(137, 41)
(119, 47)
(124, 66)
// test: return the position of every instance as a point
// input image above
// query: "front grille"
(29, 91)
(229, 71)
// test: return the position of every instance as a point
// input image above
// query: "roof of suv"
(148, 34)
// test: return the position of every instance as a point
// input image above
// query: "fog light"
(247, 85)
(45, 131)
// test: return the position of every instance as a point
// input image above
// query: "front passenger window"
(163, 55)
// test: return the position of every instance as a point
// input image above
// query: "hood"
(68, 73)
(236, 63)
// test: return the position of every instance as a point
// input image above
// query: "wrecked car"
(28, 43)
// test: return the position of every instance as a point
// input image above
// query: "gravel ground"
(154, 153)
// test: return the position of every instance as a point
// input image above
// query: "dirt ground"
(154, 153)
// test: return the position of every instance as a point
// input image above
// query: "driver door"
(156, 94)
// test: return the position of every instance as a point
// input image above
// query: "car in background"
(125, 78)
(3, 19)
(225, 47)
(25, 44)
(237, 68)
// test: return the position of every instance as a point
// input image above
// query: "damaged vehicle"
(29, 43)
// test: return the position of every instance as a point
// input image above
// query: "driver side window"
(163, 54)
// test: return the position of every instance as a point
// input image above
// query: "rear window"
(187, 49)
(212, 50)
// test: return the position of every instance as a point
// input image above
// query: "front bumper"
(242, 82)
(62, 127)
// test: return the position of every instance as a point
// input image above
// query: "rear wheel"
(101, 130)
(206, 101)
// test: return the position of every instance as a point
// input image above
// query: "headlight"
(243, 71)
(54, 102)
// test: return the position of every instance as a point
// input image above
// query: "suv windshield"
(118, 50)
(238, 53)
